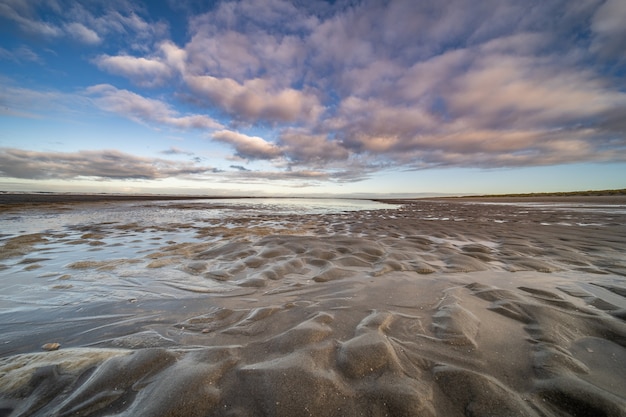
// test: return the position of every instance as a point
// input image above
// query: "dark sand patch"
(20, 245)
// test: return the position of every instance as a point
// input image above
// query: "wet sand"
(439, 308)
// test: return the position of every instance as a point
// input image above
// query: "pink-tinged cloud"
(303, 148)
(143, 71)
(248, 147)
(348, 88)
(146, 110)
(255, 99)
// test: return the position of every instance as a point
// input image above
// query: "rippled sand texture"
(435, 309)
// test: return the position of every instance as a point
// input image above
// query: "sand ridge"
(495, 310)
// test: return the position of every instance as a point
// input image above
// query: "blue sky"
(272, 97)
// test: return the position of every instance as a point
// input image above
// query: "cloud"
(305, 177)
(176, 151)
(29, 103)
(405, 84)
(89, 24)
(239, 40)
(296, 146)
(122, 21)
(374, 125)
(143, 71)
(103, 164)
(248, 147)
(352, 87)
(21, 54)
(297, 177)
(146, 110)
(248, 70)
(300, 146)
(24, 16)
(82, 33)
(174, 56)
(609, 29)
(113, 164)
(255, 99)
(511, 91)
(167, 61)
(515, 148)
(240, 168)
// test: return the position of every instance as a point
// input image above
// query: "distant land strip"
(612, 197)
(588, 193)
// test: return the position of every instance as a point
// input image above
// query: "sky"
(312, 97)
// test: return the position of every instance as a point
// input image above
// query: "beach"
(430, 307)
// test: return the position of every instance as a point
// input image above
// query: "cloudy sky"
(312, 96)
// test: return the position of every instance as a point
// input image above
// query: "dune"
(500, 310)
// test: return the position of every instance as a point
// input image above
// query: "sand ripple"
(467, 346)
(373, 313)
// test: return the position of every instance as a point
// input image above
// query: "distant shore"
(596, 197)
(542, 198)
(590, 195)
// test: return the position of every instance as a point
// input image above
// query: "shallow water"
(76, 253)
(56, 217)
(68, 254)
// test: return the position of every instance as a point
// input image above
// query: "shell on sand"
(51, 346)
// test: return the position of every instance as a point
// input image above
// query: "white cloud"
(144, 71)
(248, 147)
(174, 56)
(146, 110)
(82, 33)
